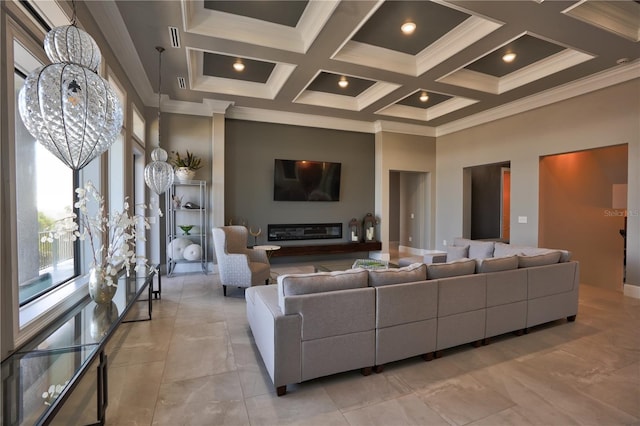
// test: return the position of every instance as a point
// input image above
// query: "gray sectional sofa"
(314, 325)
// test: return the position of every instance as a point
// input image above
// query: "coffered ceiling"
(448, 74)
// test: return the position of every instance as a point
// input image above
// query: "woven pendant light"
(70, 109)
(158, 174)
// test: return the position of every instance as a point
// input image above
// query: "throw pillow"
(481, 249)
(496, 264)
(411, 273)
(457, 252)
(539, 260)
(451, 269)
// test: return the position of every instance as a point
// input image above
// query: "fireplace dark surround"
(311, 231)
(315, 231)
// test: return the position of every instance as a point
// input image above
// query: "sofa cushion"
(477, 249)
(565, 255)
(502, 250)
(407, 274)
(319, 282)
(457, 252)
(549, 258)
(451, 269)
(496, 264)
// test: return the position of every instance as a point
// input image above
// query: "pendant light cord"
(74, 18)
(160, 49)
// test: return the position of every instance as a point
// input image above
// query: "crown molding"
(404, 128)
(297, 119)
(590, 84)
(207, 108)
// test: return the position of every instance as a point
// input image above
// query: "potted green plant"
(185, 165)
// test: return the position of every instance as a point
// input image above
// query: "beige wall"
(400, 152)
(602, 118)
(193, 133)
(576, 211)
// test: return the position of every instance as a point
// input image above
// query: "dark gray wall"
(250, 150)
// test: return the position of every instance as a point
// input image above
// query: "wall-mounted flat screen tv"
(301, 180)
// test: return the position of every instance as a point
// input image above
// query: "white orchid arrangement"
(120, 229)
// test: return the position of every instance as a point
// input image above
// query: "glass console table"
(40, 377)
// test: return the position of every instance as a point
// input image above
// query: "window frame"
(21, 322)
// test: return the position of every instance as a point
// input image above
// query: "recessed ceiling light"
(509, 57)
(238, 65)
(343, 82)
(424, 97)
(408, 27)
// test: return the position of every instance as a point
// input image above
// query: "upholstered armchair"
(238, 265)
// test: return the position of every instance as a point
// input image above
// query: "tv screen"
(301, 180)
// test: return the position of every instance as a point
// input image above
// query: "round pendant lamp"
(158, 174)
(70, 109)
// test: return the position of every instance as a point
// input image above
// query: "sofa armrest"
(277, 336)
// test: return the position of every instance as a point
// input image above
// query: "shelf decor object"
(66, 106)
(186, 165)
(255, 234)
(354, 230)
(186, 228)
(369, 227)
(158, 174)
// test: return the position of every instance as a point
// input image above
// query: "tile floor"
(195, 363)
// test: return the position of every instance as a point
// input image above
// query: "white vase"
(184, 174)
(99, 290)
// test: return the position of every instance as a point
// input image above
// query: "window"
(44, 194)
(138, 125)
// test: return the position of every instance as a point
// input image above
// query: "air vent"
(182, 83)
(174, 35)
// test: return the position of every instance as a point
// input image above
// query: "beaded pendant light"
(70, 109)
(158, 174)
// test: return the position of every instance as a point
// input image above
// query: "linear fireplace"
(311, 231)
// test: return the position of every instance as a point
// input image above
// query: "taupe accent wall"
(250, 150)
(576, 211)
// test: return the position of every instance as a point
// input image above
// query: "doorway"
(410, 226)
(487, 202)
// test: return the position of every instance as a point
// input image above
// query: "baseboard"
(632, 291)
(189, 268)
